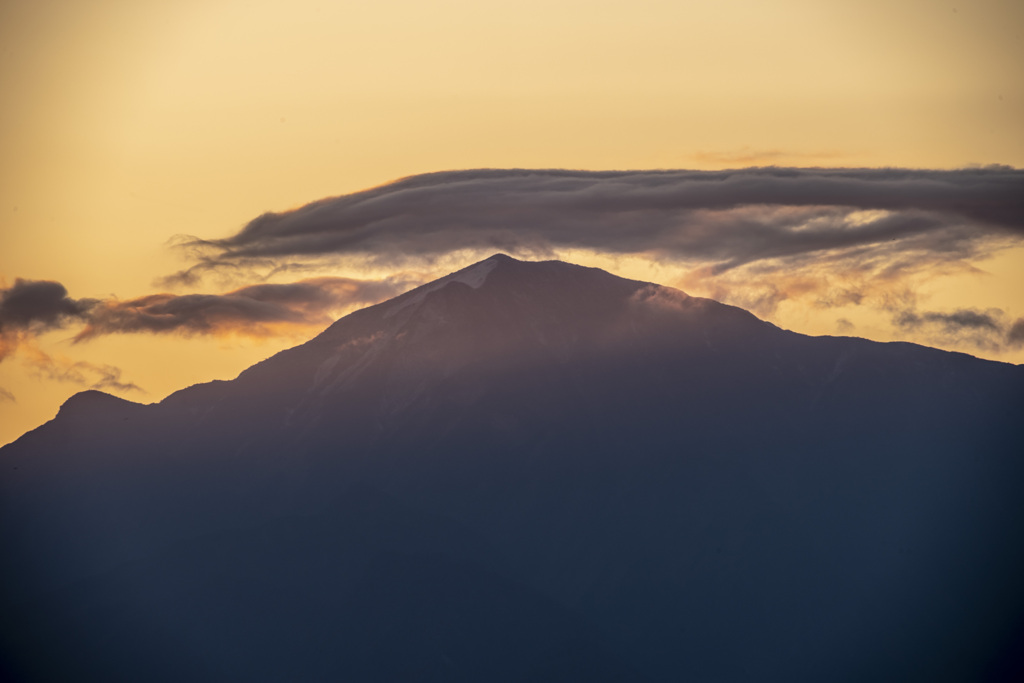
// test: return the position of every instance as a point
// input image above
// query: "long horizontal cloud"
(987, 329)
(254, 310)
(727, 218)
(961, 319)
(30, 308)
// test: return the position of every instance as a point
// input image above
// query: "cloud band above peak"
(723, 217)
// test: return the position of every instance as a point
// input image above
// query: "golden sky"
(125, 123)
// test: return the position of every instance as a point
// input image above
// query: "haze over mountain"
(530, 471)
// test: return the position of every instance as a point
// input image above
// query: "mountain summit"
(530, 471)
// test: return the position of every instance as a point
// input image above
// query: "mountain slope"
(532, 470)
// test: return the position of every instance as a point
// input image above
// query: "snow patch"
(474, 276)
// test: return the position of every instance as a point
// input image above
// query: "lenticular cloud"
(725, 218)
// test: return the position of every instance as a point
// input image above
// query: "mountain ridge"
(391, 307)
(679, 489)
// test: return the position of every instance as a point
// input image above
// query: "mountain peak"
(500, 257)
(93, 404)
(474, 276)
(84, 400)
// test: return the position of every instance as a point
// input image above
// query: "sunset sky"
(155, 159)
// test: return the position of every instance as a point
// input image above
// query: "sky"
(187, 188)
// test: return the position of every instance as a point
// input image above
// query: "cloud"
(1015, 335)
(256, 310)
(82, 373)
(38, 302)
(6, 395)
(109, 377)
(987, 330)
(756, 237)
(722, 218)
(844, 326)
(30, 308)
(664, 298)
(958, 320)
(748, 156)
(34, 306)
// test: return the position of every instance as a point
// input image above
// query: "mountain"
(530, 471)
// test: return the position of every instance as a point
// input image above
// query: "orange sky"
(127, 123)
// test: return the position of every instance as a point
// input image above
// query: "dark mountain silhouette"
(530, 471)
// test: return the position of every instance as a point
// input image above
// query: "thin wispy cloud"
(31, 308)
(256, 310)
(987, 330)
(954, 321)
(81, 373)
(746, 156)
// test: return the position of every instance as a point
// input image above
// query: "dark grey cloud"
(839, 297)
(38, 303)
(254, 310)
(727, 218)
(30, 307)
(988, 330)
(1015, 335)
(956, 321)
